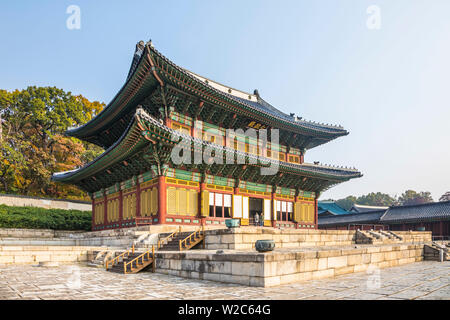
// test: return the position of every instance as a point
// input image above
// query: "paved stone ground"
(421, 280)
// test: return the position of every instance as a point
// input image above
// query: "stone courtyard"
(421, 280)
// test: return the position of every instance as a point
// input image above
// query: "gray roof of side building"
(427, 212)
(351, 218)
(361, 208)
(417, 213)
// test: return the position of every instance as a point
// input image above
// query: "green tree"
(347, 202)
(376, 199)
(411, 197)
(34, 147)
(371, 199)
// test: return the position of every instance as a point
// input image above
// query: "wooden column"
(274, 209)
(293, 209)
(120, 208)
(162, 200)
(138, 199)
(316, 214)
(202, 188)
(93, 213)
(105, 203)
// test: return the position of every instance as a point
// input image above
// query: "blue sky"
(388, 87)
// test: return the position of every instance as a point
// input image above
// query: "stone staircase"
(142, 252)
(377, 237)
(131, 261)
(99, 259)
(173, 244)
(432, 252)
(394, 235)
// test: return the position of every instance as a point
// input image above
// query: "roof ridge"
(421, 204)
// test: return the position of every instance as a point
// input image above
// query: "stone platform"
(229, 255)
(427, 280)
(284, 266)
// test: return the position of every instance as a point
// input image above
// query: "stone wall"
(21, 201)
(44, 254)
(276, 268)
(245, 238)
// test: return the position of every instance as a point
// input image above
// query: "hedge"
(40, 218)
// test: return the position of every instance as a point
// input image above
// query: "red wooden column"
(295, 201)
(274, 210)
(93, 213)
(316, 214)
(120, 208)
(235, 192)
(138, 199)
(202, 218)
(162, 200)
(105, 201)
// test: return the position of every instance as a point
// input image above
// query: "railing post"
(124, 268)
(133, 249)
(179, 245)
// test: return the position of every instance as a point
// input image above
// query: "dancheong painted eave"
(150, 71)
(134, 153)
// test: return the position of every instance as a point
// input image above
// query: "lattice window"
(193, 202)
(154, 201)
(171, 200)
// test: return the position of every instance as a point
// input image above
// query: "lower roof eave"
(142, 126)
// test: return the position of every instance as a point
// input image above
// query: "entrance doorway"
(256, 208)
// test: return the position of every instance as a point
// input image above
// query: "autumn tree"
(33, 141)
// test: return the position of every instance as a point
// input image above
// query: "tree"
(376, 199)
(411, 197)
(347, 202)
(445, 196)
(34, 147)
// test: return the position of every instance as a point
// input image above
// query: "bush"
(40, 218)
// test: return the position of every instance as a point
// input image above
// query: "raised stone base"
(45, 254)
(244, 238)
(284, 265)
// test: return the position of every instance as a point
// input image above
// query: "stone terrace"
(421, 280)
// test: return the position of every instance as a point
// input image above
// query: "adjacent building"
(434, 216)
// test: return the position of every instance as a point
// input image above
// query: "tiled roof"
(360, 208)
(351, 218)
(417, 213)
(435, 211)
(330, 207)
(132, 141)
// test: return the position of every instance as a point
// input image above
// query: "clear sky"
(389, 87)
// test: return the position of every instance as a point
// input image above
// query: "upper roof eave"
(95, 125)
